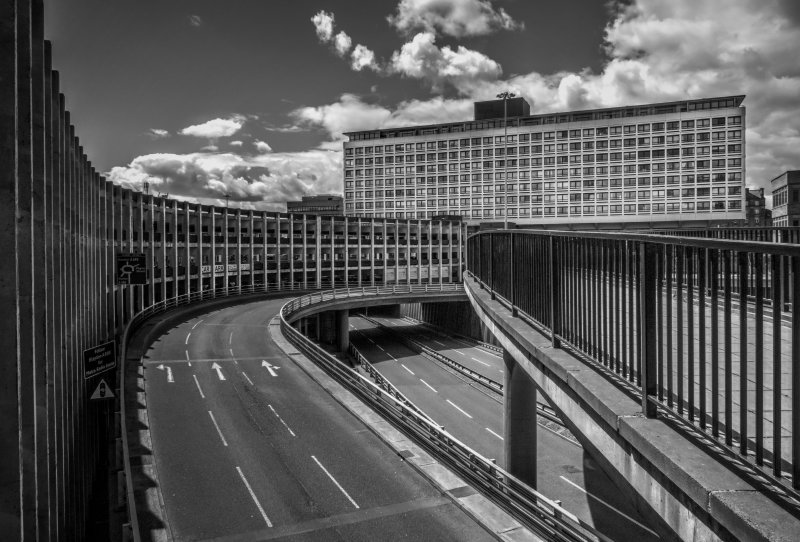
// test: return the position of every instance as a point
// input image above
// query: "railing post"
(648, 347)
(490, 275)
(511, 289)
(555, 287)
(795, 384)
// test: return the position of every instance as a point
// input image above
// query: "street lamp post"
(505, 95)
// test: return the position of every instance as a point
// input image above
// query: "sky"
(250, 98)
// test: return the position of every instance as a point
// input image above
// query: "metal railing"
(702, 327)
(536, 511)
(767, 234)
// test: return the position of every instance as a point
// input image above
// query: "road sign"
(102, 391)
(131, 269)
(99, 359)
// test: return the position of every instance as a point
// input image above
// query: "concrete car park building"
(662, 163)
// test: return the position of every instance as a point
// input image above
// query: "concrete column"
(519, 417)
(343, 330)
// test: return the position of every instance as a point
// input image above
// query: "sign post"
(99, 359)
(131, 269)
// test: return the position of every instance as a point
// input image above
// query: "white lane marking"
(407, 369)
(335, 482)
(225, 442)
(270, 367)
(481, 362)
(459, 409)
(431, 387)
(495, 434)
(379, 346)
(247, 378)
(230, 338)
(281, 420)
(255, 499)
(440, 344)
(187, 358)
(198, 386)
(459, 351)
(391, 356)
(217, 367)
(601, 501)
(352, 326)
(370, 340)
(169, 372)
(187, 337)
(197, 323)
(232, 356)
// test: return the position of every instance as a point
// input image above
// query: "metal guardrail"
(661, 313)
(533, 509)
(131, 530)
(769, 234)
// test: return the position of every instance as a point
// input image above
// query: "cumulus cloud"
(363, 57)
(262, 146)
(421, 58)
(323, 24)
(215, 128)
(157, 133)
(195, 20)
(210, 148)
(259, 182)
(236, 143)
(342, 43)
(457, 18)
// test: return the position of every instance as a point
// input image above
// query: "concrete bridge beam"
(343, 330)
(519, 418)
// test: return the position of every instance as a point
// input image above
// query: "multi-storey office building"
(231, 247)
(756, 212)
(786, 199)
(678, 161)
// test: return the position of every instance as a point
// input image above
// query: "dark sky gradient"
(128, 66)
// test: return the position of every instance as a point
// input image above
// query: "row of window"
(642, 128)
(670, 192)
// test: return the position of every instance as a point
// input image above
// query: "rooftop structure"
(326, 204)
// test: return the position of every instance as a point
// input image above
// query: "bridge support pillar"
(343, 330)
(519, 416)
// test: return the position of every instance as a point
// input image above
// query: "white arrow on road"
(217, 367)
(169, 372)
(270, 367)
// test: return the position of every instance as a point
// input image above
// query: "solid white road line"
(230, 338)
(197, 323)
(232, 356)
(187, 358)
(255, 499)
(335, 482)
(495, 434)
(601, 501)
(407, 369)
(198, 387)
(481, 362)
(281, 420)
(225, 442)
(459, 409)
(247, 378)
(431, 387)
(187, 337)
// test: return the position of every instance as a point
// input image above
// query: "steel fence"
(702, 327)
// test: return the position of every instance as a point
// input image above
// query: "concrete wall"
(457, 317)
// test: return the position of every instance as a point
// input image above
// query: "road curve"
(249, 447)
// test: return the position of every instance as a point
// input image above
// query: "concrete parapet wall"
(692, 492)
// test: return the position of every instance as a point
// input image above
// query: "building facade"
(659, 163)
(322, 204)
(786, 199)
(756, 213)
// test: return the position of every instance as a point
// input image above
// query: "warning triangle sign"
(103, 391)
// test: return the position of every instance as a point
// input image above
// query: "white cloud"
(457, 18)
(216, 128)
(157, 133)
(260, 182)
(323, 24)
(195, 20)
(235, 143)
(363, 57)
(210, 148)
(342, 43)
(262, 146)
(420, 58)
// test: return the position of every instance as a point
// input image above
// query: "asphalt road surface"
(565, 472)
(249, 447)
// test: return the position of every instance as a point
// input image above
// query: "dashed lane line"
(281, 420)
(459, 409)
(197, 323)
(349, 498)
(255, 499)
(429, 386)
(481, 362)
(247, 378)
(198, 387)
(187, 337)
(407, 369)
(495, 434)
(225, 442)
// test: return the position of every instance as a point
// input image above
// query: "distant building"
(755, 213)
(322, 204)
(786, 199)
(676, 164)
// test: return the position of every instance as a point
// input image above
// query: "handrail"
(132, 325)
(526, 504)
